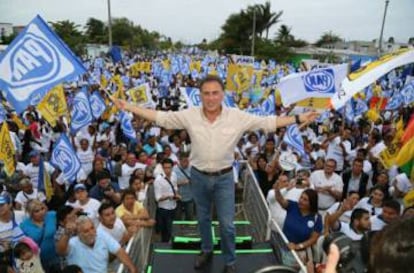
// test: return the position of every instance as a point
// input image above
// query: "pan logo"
(195, 97)
(33, 60)
(321, 81)
(66, 160)
(80, 110)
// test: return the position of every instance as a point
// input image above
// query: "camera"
(351, 259)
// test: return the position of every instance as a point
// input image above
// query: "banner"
(294, 139)
(36, 61)
(44, 183)
(126, 126)
(239, 78)
(98, 105)
(7, 150)
(81, 111)
(368, 74)
(53, 105)
(318, 83)
(142, 95)
(65, 159)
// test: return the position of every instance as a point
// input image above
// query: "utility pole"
(109, 24)
(382, 27)
(254, 31)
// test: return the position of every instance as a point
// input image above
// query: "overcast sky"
(192, 20)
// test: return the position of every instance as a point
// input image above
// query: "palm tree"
(283, 35)
(268, 17)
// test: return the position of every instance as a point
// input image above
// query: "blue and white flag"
(408, 93)
(360, 107)
(98, 105)
(65, 159)
(294, 139)
(191, 95)
(81, 114)
(318, 83)
(35, 62)
(349, 111)
(229, 100)
(126, 126)
(116, 54)
(268, 105)
(3, 113)
(395, 102)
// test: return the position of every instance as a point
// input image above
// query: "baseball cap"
(4, 199)
(80, 186)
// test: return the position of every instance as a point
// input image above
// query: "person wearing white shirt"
(27, 193)
(89, 206)
(328, 184)
(391, 211)
(110, 223)
(166, 194)
(127, 168)
(373, 203)
(32, 169)
(346, 207)
(360, 223)
(86, 156)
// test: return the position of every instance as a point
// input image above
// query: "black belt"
(216, 173)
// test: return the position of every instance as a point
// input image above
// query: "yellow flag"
(104, 81)
(7, 150)
(406, 153)
(18, 122)
(139, 93)
(259, 76)
(53, 105)
(239, 78)
(195, 65)
(317, 103)
(166, 64)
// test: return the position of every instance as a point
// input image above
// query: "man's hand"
(308, 117)
(120, 104)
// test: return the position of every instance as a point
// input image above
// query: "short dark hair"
(104, 174)
(62, 212)
(313, 200)
(127, 192)
(211, 78)
(72, 268)
(357, 214)
(359, 160)
(392, 204)
(167, 161)
(104, 206)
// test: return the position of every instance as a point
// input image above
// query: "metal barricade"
(257, 211)
(139, 246)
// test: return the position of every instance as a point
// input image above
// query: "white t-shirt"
(117, 232)
(22, 198)
(91, 209)
(126, 172)
(365, 204)
(349, 232)
(33, 172)
(86, 158)
(377, 224)
(345, 217)
(319, 179)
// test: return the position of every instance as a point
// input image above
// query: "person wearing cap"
(27, 193)
(32, 169)
(105, 189)
(9, 229)
(89, 206)
(214, 131)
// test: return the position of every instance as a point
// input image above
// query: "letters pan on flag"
(36, 61)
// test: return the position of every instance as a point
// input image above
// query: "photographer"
(105, 189)
(165, 189)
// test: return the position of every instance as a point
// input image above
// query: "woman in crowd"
(41, 227)
(373, 202)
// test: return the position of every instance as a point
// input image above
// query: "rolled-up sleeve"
(252, 122)
(172, 120)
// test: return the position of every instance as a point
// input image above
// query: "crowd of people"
(338, 186)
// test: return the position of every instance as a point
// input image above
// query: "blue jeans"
(220, 190)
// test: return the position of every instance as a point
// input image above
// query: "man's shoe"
(203, 259)
(230, 269)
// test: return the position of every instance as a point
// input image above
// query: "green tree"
(69, 32)
(284, 37)
(328, 38)
(96, 31)
(267, 18)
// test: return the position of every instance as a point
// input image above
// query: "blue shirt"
(97, 192)
(93, 259)
(44, 237)
(298, 228)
